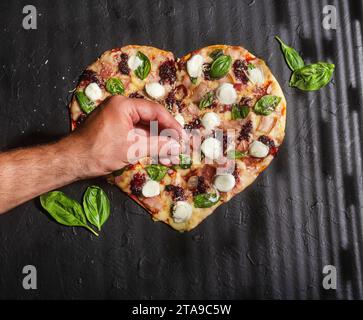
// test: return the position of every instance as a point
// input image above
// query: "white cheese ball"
(195, 66)
(210, 120)
(93, 91)
(226, 94)
(134, 62)
(182, 211)
(258, 149)
(224, 182)
(178, 117)
(155, 90)
(212, 148)
(151, 189)
(256, 75)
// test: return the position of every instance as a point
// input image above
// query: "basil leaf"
(96, 206)
(239, 112)
(185, 161)
(207, 100)
(216, 53)
(244, 111)
(156, 171)
(220, 66)
(312, 77)
(64, 210)
(251, 66)
(235, 113)
(143, 70)
(193, 80)
(235, 154)
(266, 105)
(115, 86)
(292, 57)
(86, 104)
(205, 200)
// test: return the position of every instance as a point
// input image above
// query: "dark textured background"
(273, 240)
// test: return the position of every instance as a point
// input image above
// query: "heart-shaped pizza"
(224, 96)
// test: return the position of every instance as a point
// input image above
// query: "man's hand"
(97, 147)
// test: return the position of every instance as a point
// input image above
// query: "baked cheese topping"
(195, 66)
(182, 211)
(134, 62)
(258, 149)
(212, 148)
(225, 182)
(93, 91)
(155, 90)
(211, 120)
(151, 189)
(226, 94)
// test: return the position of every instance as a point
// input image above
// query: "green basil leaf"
(207, 100)
(235, 154)
(64, 210)
(205, 200)
(266, 105)
(251, 66)
(86, 104)
(193, 80)
(292, 57)
(115, 86)
(216, 53)
(96, 206)
(156, 171)
(312, 77)
(244, 111)
(220, 66)
(235, 113)
(185, 161)
(143, 70)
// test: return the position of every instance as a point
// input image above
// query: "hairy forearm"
(27, 173)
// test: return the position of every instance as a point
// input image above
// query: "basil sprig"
(313, 76)
(156, 171)
(207, 100)
(65, 210)
(185, 161)
(266, 105)
(96, 206)
(235, 154)
(292, 57)
(84, 102)
(143, 70)
(239, 112)
(115, 86)
(220, 66)
(205, 200)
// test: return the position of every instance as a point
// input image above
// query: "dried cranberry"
(270, 143)
(90, 76)
(170, 99)
(206, 71)
(82, 117)
(195, 124)
(246, 101)
(181, 64)
(178, 193)
(227, 140)
(240, 68)
(235, 173)
(123, 65)
(167, 72)
(137, 182)
(259, 92)
(201, 186)
(245, 131)
(136, 95)
(180, 105)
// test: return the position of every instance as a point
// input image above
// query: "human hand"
(101, 144)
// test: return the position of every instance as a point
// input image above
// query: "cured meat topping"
(240, 70)
(167, 72)
(137, 182)
(123, 66)
(245, 131)
(177, 192)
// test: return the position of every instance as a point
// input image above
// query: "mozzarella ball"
(182, 211)
(134, 62)
(155, 90)
(258, 149)
(151, 189)
(225, 182)
(226, 94)
(256, 75)
(210, 120)
(212, 148)
(93, 91)
(195, 65)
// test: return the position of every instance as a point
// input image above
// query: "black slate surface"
(273, 240)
